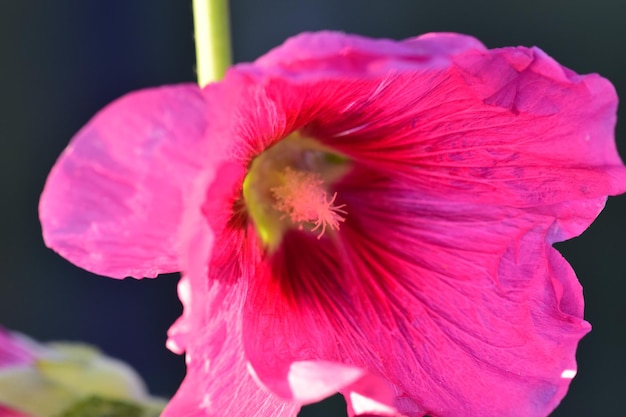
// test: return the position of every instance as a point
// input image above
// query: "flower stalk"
(212, 35)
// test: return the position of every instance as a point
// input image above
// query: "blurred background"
(63, 60)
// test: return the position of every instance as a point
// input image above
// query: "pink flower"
(12, 354)
(368, 216)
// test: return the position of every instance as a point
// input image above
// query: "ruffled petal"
(114, 200)
(328, 54)
(487, 311)
(219, 381)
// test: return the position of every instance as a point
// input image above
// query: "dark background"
(63, 60)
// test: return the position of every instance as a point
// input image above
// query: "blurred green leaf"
(100, 407)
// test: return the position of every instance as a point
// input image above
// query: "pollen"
(303, 198)
(291, 185)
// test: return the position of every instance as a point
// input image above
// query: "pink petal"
(218, 382)
(333, 53)
(14, 351)
(7, 412)
(447, 141)
(370, 395)
(311, 381)
(113, 201)
(385, 305)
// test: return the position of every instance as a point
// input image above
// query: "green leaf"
(100, 407)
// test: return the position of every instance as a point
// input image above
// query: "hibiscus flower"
(365, 216)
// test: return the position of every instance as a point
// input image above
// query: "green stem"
(212, 33)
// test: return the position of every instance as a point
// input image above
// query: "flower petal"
(370, 395)
(113, 201)
(219, 381)
(15, 350)
(324, 54)
(383, 302)
(311, 381)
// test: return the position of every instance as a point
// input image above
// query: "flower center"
(302, 196)
(287, 187)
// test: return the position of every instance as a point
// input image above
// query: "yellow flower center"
(287, 187)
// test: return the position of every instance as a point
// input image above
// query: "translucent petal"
(113, 202)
